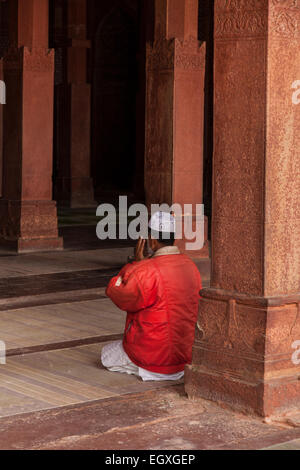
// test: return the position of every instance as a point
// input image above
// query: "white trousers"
(115, 359)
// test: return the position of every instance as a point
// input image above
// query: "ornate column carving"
(249, 318)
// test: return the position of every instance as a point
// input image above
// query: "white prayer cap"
(163, 222)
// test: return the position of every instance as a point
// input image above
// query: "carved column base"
(245, 353)
(28, 226)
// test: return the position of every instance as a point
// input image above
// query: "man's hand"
(139, 250)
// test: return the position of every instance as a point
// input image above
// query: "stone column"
(74, 185)
(175, 107)
(28, 219)
(248, 331)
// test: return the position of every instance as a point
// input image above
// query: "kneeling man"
(160, 295)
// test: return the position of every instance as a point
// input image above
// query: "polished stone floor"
(24, 329)
(57, 378)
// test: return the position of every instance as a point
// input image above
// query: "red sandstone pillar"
(28, 219)
(249, 320)
(175, 108)
(74, 185)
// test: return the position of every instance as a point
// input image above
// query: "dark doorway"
(115, 84)
(206, 34)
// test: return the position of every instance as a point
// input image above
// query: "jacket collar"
(167, 250)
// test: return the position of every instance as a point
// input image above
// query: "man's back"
(181, 285)
(161, 297)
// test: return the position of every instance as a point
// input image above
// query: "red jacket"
(161, 297)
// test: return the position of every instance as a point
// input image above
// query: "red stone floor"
(161, 419)
(54, 394)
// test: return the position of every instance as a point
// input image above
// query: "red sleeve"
(133, 289)
(199, 280)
